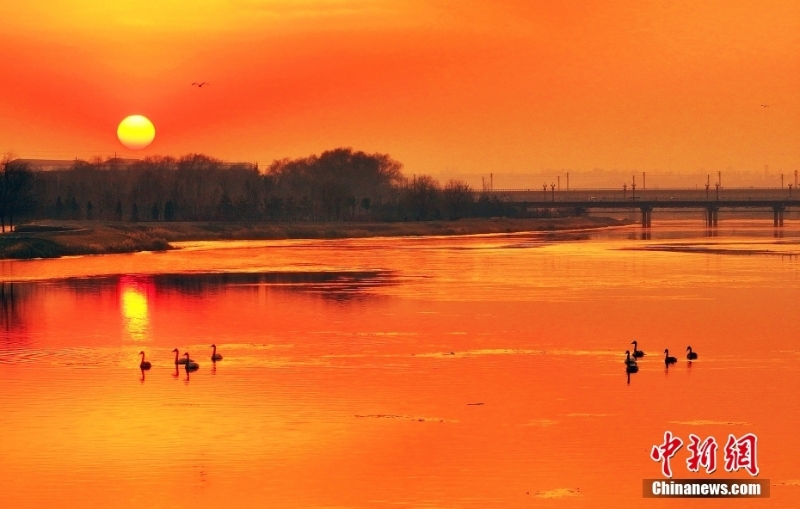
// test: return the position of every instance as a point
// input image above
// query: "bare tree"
(457, 196)
(16, 191)
(420, 196)
(334, 185)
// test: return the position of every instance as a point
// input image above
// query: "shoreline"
(54, 239)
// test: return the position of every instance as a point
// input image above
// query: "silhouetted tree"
(485, 206)
(332, 179)
(59, 208)
(225, 208)
(74, 208)
(305, 208)
(457, 196)
(169, 211)
(275, 208)
(420, 196)
(16, 191)
(337, 184)
(351, 204)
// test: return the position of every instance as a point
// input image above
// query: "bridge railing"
(712, 189)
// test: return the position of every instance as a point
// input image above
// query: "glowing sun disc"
(136, 132)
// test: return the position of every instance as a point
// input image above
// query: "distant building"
(107, 164)
(63, 164)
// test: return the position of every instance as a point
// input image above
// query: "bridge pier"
(712, 216)
(777, 214)
(647, 215)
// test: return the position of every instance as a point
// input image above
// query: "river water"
(478, 371)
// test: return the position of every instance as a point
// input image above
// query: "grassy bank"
(52, 239)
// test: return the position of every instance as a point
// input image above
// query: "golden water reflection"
(465, 373)
(133, 294)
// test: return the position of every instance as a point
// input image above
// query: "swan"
(190, 364)
(214, 355)
(144, 365)
(631, 368)
(667, 359)
(691, 355)
(628, 360)
(177, 360)
(636, 353)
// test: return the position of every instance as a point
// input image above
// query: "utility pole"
(553, 191)
(781, 180)
(559, 182)
(567, 181)
(633, 189)
(719, 178)
(644, 186)
(795, 179)
(708, 184)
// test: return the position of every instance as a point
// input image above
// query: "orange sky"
(442, 85)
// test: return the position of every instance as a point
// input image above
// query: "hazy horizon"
(563, 178)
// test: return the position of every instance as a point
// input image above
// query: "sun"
(136, 132)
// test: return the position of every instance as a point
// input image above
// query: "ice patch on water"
(710, 423)
(591, 415)
(540, 423)
(404, 417)
(559, 493)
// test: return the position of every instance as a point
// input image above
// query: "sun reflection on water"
(133, 304)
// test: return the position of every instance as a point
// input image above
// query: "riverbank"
(52, 239)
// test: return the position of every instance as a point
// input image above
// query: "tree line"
(337, 185)
(16, 192)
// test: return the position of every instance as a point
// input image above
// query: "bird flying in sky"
(199, 85)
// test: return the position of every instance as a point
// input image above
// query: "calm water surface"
(475, 372)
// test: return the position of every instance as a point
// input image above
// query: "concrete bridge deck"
(710, 200)
(739, 193)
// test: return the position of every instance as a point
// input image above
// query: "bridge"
(711, 200)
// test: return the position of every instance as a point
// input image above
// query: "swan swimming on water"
(190, 364)
(667, 359)
(636, 353)
(144, 364)
(691, 355)
(629, 361)
(177, 360)
(214, 355)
